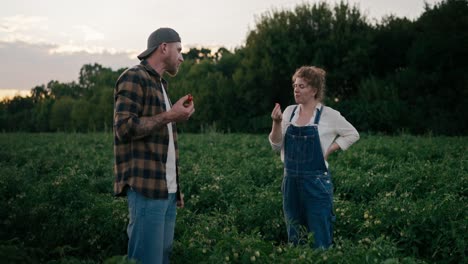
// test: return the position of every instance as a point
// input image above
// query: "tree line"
(393, 75)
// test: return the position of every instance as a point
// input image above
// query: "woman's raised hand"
(276, 114)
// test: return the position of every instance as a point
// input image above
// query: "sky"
(49, 40)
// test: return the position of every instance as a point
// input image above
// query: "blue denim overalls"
(307, 186)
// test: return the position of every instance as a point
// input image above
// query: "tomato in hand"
(189, 100)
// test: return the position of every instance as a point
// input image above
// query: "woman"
(306, 134)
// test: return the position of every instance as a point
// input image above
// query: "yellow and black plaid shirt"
(140, 160)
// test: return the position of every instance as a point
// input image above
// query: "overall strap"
(317, 115)
(293, 113)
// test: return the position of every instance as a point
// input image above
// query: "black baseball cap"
(159, 36)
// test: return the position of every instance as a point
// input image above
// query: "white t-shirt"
(171, 157)
(332, 127)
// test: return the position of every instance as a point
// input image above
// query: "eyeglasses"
(300, 85)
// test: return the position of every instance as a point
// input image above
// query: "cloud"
(30, 29)
(38, 52)
(39, 30)
(21, 23)
(90, 34)
(35, 64)
(72, 48)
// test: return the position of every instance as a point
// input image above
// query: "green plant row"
(399, 199)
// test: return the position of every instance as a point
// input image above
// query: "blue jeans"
(151, 228)
(307, 206)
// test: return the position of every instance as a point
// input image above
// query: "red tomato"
(189, 99)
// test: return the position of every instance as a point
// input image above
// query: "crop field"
(398, 199)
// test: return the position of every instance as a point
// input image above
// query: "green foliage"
(384, 76)
(80, 114)
(397, 200)
(18, 109)
(60, 116)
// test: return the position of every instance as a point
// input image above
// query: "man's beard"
(172, 71)
(172, 68)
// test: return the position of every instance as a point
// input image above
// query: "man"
(145, 147)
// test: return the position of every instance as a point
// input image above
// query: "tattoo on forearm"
(148, 125)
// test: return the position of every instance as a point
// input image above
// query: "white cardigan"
(332, 127)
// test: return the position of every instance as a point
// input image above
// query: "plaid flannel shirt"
(140, 160)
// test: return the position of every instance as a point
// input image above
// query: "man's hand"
(189, 100)
(180, 203)
(180, 112)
